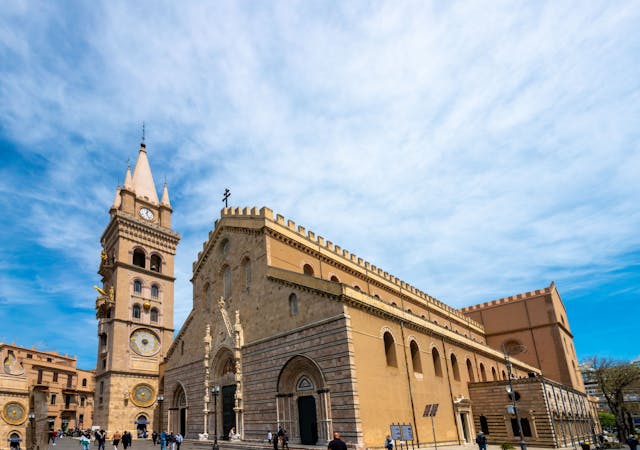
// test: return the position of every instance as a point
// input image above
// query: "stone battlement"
(310, 236)
(509, 299)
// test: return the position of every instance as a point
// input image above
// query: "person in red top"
(337, 443)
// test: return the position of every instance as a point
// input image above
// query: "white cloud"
(473, 149)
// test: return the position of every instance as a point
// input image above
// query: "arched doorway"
(303, 402)
(179, 411)
(225, 415)
(141, 426)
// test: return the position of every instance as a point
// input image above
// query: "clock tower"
(134, 307)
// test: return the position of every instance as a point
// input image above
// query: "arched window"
(103, 343)
(207, 297)
(154, 314)
(504, 375)
(84, 382)
(454, 367)
(154, 291)
(357, 288)
(137, 287)
(472, 377)
(226, 282)
(224, 247)
(335, 278)
(483, 373)
(247, 273)
(494, 374)
(390, 350)
(82, 400)
(484, 425)
(415, 358)
(437, 367)
(307, 270)
(139, 258)
(156, 263)
(136, 311)
(293, 304)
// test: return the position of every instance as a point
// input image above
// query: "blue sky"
(476, 150)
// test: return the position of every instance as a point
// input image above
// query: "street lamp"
(160, 399)
(32, 424)
(512, 350)
(215, 390)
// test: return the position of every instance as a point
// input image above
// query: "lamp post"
(215, 390)
(32, 425)
(160, 399)
(514, 349)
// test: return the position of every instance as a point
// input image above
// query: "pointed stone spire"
(143, 184)
(165, 196)
(117, 200)
(127, 180)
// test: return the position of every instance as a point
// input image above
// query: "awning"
(141, 422)
(14, 440)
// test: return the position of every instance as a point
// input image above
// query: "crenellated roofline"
(264, 218)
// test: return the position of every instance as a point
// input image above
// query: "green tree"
(615, 379)
(607, 420)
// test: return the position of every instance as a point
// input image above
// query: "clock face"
(144, 342)
(142, 395)
(146, 213)
(14, 413)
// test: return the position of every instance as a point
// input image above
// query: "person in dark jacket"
(481, 440)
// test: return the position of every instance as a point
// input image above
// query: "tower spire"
(143, 184)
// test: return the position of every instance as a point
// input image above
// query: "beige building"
(135, 303)
(67, 392)
(300, 333)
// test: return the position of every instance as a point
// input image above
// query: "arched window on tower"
(494, 375)
(156, 263)
(139, 258)
(226, 282)
(307, 270)
(416, 362)
(136, 311)
(504, 375)
(390, 350)
(454, 367)
(154, 291)
(472, 377)
(437, 366)
(103, 342)
(137, 287)
(154, 314)
(335, 278)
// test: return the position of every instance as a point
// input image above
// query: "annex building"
(288, 329)
(47, 384)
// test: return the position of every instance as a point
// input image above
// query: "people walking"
(154, 437)
(163, 440)
(116, 440)
(481, 440)
(101, 437)
(632, 442)
(285, 440)
(388, 443)
(85, 441)
(274, 441)
(178, 440)
(337, 443)
(126, 440)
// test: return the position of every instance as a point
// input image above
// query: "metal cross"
(143, 132)
(225, 197)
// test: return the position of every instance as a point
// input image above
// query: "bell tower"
(134, 307)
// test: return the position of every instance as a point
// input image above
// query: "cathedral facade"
(290, 330)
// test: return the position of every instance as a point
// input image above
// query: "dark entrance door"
(183, 421)
(307, 420)
(228, 414)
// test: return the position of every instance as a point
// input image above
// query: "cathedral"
(288, 329)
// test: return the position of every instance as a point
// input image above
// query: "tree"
(607, 420)
(615, 379)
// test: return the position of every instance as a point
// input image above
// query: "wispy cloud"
(475, 150)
